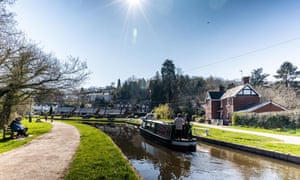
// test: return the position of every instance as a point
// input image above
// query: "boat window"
(146, 125)
(152, 125)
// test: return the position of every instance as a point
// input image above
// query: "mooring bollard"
(196, 133)
(207, 131)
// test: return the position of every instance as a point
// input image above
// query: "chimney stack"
(221, 88)
(246, 79)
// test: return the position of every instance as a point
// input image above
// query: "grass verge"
(253, 141)
(34, 129)
(98, 157)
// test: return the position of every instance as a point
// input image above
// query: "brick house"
(213, 104)
(220, 105)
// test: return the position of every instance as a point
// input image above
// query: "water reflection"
(208, 162)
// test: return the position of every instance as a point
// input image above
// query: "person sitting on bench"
(17, 126)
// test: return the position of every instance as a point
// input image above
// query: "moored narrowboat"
(164, 133)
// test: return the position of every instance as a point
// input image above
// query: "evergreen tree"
(257, 77)
(285, 71)
(169, 79)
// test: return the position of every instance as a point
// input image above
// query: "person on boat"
(187, 126)
(179, 126)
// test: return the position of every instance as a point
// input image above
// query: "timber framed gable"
(247, 90)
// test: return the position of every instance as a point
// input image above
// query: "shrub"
(163, 111)
(273, 120)
(236, 119)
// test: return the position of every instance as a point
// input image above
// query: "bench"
(38, 120)
(110, 118)
(7, 131)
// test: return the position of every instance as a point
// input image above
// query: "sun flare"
(134, 3)
(135, 14)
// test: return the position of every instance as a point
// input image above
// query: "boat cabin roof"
(158, 122)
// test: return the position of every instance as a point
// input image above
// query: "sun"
(135, 13)
(134, 3)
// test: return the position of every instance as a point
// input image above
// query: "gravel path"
(284, 138)
(46, 157)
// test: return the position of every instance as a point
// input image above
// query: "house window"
(229, 101)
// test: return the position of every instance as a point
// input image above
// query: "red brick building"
(213, 104)
(220, 105)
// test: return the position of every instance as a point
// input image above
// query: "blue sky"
(117, 39)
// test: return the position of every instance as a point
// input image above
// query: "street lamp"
(150, 104)
(30, 118)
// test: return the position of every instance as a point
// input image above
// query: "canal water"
(208, 162)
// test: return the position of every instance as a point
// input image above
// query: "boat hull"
(183, 145)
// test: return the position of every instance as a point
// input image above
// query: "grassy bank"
(98, 157)
(34, 129)
(253, 141)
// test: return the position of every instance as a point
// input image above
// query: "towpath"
(46, 157)
(285, 138)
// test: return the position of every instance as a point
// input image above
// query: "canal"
(208, 162)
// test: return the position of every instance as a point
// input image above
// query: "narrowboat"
(164, 134)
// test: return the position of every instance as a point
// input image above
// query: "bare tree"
(28, 71)
(280, 94)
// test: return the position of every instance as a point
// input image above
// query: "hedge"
(270, 120)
